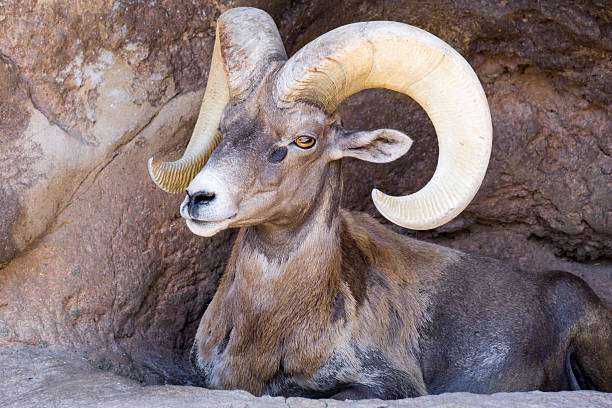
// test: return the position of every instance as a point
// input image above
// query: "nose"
(199, 198)
(209, 197)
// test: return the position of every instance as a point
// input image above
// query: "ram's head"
(268, 130)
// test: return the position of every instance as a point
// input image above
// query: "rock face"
(544, 69)
(94, 259)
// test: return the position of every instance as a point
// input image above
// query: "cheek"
(271, 176)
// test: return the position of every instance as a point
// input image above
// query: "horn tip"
(157, 173)
(376, 195)
(152, 166)
(382, 201)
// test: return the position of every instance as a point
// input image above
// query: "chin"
(207, 228)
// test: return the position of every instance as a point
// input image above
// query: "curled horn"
(246, 41)
(409, 60)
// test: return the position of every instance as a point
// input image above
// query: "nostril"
(201, 197)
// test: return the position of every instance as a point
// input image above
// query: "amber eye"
(305, 142)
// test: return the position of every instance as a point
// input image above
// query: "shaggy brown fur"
(321, 302)
(344, 307)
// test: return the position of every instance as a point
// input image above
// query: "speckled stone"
(34, 377)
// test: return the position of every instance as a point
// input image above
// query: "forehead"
(301, 119)
(259, 112)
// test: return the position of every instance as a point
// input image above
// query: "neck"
(318, 227)
(275, 273)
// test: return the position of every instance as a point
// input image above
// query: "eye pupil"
(305, 142)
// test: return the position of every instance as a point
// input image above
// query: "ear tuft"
(378, 146)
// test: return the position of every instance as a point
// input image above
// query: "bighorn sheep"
(317, 301)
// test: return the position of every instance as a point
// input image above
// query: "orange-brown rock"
(94, 259)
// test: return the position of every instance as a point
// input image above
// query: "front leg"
(360, 391)
(355, 392)
(384, 379)
(375, 377)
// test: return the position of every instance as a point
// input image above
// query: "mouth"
(208, 228)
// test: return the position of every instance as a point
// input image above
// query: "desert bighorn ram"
(317, 301)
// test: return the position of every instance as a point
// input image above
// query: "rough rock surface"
(39, 378)
(545, 69)
(95, 260)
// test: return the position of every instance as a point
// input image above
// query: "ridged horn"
(246, 41)
(409, 60)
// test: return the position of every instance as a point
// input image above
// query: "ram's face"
(280, 132)
(268, 167)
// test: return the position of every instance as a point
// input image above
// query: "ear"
(378, 146)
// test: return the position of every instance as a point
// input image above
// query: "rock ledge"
(36, 377)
